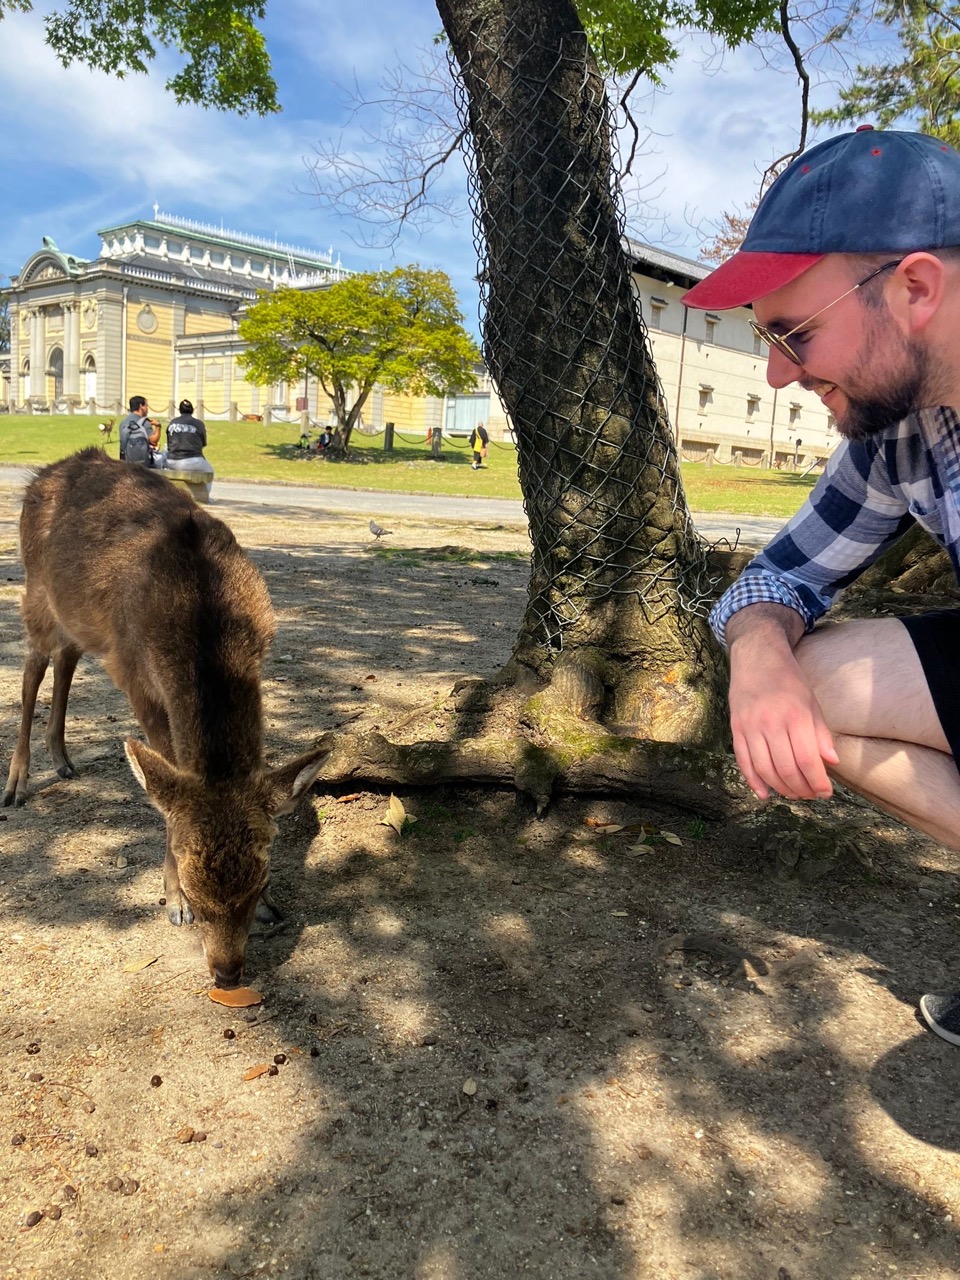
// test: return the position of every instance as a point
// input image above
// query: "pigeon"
(378, 530)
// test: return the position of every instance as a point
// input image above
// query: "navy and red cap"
(862, 192)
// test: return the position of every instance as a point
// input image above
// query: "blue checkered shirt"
(869, 495)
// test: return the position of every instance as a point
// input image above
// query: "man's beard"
(873, 412)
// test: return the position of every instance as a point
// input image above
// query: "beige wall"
(714, 380)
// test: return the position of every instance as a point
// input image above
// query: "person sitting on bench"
(186, 440)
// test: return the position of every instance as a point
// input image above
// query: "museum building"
(156, 314)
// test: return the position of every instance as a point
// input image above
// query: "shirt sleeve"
(850, 519)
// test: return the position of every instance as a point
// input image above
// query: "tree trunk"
(615, 622)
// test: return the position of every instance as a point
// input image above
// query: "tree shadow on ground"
(511, 1046)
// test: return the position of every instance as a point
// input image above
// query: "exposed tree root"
(703, 782)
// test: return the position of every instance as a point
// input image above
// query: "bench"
(197, 483)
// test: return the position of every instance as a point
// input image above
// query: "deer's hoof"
(180, 914)
(66, 771)
(267, 913)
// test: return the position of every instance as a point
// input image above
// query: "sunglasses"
(782, 340)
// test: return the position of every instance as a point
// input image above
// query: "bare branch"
(384, 170)
(773, 170)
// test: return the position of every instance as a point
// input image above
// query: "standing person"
(852, 264)
(479, 439)
(186, 441)
(139, 436)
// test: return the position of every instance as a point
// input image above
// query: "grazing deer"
(106, 429)
(120, 563)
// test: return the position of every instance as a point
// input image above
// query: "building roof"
(209, 233)
(664, 265)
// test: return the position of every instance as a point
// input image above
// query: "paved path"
(754, 531)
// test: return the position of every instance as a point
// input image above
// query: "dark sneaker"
(941, 1012)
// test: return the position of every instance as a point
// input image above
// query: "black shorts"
(936, 638)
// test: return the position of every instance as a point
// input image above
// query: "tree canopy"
(919, 81)
(401, 329)
(629, 37)
(227, 65)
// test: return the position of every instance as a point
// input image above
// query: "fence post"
(737, 458)
(267, 416)
(234, 411)
(388, 437)
(436, 442)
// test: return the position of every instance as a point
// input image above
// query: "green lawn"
(252, 451)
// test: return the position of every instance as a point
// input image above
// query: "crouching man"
(852, 265)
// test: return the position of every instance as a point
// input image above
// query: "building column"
(71, 349)
(38, 354)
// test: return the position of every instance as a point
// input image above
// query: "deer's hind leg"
(34, 669)
(65, 661)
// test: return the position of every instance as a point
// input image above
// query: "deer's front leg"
(179, 910)
(267, 911)
(34, 669)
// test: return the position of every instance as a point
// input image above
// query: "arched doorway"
(55, 373)
(89, 377)
(25, 381)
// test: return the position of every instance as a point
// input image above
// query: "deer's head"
(220, 835)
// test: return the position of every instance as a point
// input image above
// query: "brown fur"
(121, 564)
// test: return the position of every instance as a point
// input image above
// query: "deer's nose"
(228, 977)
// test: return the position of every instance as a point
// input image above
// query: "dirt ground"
(504, 1045)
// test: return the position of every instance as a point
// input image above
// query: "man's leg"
(874, 696)
(870, 683)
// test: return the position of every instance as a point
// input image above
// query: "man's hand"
(780, 737)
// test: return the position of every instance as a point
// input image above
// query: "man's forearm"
(759, 625)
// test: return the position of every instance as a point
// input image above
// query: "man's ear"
(923, 278)
(287, 785)
(162, 782)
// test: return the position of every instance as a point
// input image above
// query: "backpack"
(137, 448)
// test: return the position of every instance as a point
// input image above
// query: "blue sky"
(79, 150)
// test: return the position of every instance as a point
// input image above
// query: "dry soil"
(503, 1045)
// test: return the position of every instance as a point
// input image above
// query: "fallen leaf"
(236, 998)
(619, 913)
(354, 795)
(469, 1087)
(670, 837)
(640, 848)
(396, 816)
(607, 828)
(641, 828)
(253, 1073)
(134, 966)
(185, 1134)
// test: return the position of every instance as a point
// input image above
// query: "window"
(706, 396)
(757, 344)
(753, 406)
(795, 407)
(711, 321)
(657, 308)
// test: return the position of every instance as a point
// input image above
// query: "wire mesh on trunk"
(562, 333)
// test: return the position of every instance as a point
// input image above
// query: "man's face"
(854, 356)
(143, 410)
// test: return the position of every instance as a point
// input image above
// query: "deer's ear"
(287, 785)
(159, 779)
